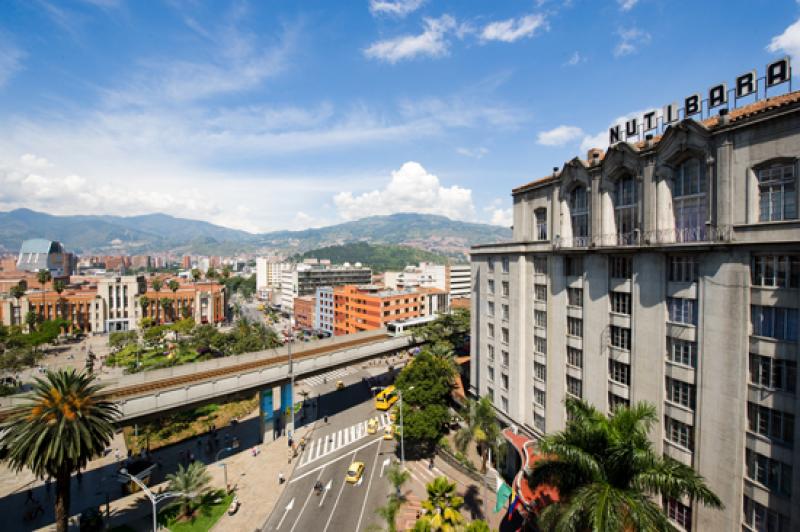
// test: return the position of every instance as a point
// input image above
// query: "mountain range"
(150, 233)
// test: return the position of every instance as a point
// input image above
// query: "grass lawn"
(203, 520)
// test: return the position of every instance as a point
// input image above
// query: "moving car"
(354, 472)
(393, 415)
(388, 432)
(372, 426)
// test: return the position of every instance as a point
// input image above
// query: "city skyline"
(282, 117)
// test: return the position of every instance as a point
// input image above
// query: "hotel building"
(665, 271)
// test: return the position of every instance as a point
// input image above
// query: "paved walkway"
(255, 479)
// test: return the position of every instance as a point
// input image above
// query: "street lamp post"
(290, 423)
(154, 498)
(224, 465)
(402, 428)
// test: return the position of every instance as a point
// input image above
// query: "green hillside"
(379, 257)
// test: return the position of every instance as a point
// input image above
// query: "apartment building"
(304, 312)
(369, 307)
(453, 279)
(304, 279)
(665, 271)
(268, 274)
(323, 309)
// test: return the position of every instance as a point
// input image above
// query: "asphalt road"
(328, 454)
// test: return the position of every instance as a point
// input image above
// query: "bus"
(386, 398)
(403, 327)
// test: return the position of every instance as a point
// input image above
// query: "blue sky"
(283, 114)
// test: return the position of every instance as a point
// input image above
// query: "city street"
(328, 454)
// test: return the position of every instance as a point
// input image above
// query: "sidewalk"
(255, 479)
(479, 501)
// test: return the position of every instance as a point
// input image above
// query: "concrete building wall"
(684, 342)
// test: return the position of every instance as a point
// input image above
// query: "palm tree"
(196, 274)
(482, 428)
(156, 284)
(211, 273)
(59, 287)
(174, 286)
(17, 291)
(64, 425)
(389, 512)
(43, 276)
(144, 302)
(192, 483)
(397, 477)
(608, 474)
(226, 271)
(166, 304)
(442, 506)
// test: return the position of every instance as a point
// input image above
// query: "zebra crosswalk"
(322, 446)
(421, 473)
(328, 376)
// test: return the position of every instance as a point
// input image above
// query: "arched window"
(579, 215)
(626, 214)
(777, 192)
(541, 224)
(689, 202)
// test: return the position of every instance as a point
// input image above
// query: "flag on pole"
(504, 491)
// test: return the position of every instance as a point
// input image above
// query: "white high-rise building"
(269, 274)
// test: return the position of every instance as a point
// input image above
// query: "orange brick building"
(304, 312)
(369, 307)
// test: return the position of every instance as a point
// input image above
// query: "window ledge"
(679, 365)
(679, 406)
(681, 324)
(771, 339)
(771, 222)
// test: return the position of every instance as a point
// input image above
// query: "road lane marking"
(369, 483)
(300, 513)
(339, 496)
(309, 472)
(327, 489)
(288, 507)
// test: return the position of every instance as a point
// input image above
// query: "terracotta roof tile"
(734, 115)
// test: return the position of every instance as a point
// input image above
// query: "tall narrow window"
(689, 202)
(579, 214)
(777, 193)
(625, 210)
(541, 224)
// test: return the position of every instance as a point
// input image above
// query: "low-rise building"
(304, 279)
(304, 312)
(369, 307)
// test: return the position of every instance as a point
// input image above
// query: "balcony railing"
(704, 233)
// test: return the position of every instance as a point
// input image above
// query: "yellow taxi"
(340, 385)
(372, 426)
(388, 432)
(354, 472)
(393, 416)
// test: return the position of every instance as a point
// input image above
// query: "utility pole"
(290, 423)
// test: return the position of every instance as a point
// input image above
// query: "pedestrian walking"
(430, 464)
(281, 478)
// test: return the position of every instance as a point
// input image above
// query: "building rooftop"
(40, 245)
(734, 115)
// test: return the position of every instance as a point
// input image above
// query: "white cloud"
(629, 41)
(512, 29)
(411, 189)
(504, 217)
(10, 60)
(575, 58)
(476, 153)
(627, 5)
(559, 136)
(399, 8)
(787, 42)
(431, 42)
(32, 161)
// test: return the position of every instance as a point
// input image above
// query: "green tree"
(397, 476)
(426, 386)
(211, 273)
(608, 474)
(442, 506)
(192, 483)
(389, 512)
(17, 291)
(157, 284)
(448, 330)
(31, 319)
(477, 526)
(481, 428)
(64, 424)
(196, 274)
(226, 271)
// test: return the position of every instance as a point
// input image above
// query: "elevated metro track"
(149, 393)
